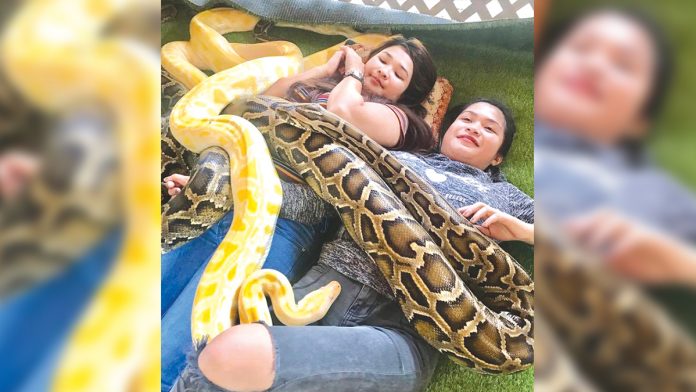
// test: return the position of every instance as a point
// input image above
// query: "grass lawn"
(494, 62)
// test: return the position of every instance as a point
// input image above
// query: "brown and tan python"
(459, 290)
(619, 339)
(206, 198)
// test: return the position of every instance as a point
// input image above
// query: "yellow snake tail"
(274, 284)
(209, 50)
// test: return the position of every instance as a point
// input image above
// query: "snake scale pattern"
(206, 198)
(619, 338)
(459, 290)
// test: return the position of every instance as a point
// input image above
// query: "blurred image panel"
(79, 202)
(615, 251)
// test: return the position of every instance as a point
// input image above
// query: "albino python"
(56, 53)
(205, 199)
(196, 123)
(476, 307)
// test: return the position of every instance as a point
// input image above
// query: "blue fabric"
(293, 250)
(35, 323)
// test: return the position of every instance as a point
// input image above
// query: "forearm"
(527, 233)
(280, 88)
(682, 258)
(346, 95)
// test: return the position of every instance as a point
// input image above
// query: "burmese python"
(487, 326)
(619, 338)
(205, 199)
(459, 289)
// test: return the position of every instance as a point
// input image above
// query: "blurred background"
(615, 262)
(79, 195)
(673, 139)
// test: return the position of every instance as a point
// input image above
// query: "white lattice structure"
(458, 10)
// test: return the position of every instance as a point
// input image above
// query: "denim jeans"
(35, 323)
(293, 250)
(364, 343)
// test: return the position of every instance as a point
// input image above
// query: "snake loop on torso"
(460, 291)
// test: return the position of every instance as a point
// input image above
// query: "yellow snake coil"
(54, 53)
(443, 310)
(232, 286)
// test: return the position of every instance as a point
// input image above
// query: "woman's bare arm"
(280, 88)
(375, 120)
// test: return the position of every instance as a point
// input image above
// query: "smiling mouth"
(583, 87)
(470, 139)
(376, 81)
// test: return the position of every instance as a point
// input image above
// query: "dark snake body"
(459, 290)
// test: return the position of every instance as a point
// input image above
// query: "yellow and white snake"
(57, 55)
(232, 284)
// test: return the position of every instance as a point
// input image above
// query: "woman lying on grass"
(365, 343)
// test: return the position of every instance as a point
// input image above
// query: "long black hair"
(418, 135)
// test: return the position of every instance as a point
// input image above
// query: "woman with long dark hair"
(599, 88)
(382, 96)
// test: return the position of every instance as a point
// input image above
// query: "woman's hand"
(353, 61)
(497, 224)
(16, 168)
(333, 65)
(175, 182)
(281, 86)
(634, 250)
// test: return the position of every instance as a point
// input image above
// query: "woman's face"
(598, 79)
(388, 73)
(475, 136)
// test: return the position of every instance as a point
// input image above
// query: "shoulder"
(400, 115)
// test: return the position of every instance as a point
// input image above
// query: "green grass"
(451, 378)
(494, 63)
